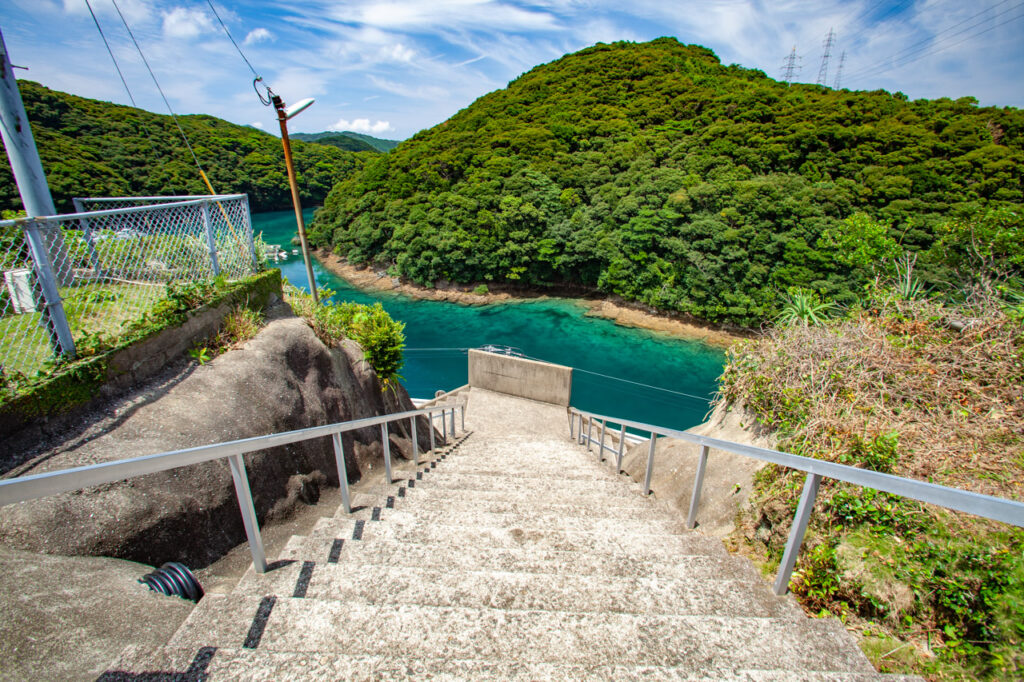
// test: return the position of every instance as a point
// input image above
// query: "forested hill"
(92, 148)
(654, 172)
(356, 142)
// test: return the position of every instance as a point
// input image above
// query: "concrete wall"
(530, 379)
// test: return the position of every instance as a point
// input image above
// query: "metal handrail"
(31, 487)
(175, 203)
(986, 506)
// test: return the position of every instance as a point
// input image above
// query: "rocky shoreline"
(620, 312)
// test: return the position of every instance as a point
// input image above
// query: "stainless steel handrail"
(986, 506)
(31, 487)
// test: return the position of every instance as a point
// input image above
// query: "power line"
(637, 383)
(159, 89)
(111, 53)
(228, 33)
(929, 46)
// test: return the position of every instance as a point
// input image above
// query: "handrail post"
(245, 505)
(698, 481)
(387, 451)
(650, 464)
(622, 445)
(453, 423)
(444, 428)
(600, 450)
(590, 442)
(432, 445)
(339, 458)
(796, 535)
(415, 444)
(462, 414)
(572, 425)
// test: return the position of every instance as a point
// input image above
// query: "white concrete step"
(376, 584)
(424, 490)
(420, 500)
(695, 642)
(697, 567)
(258, 665)
(439, 478)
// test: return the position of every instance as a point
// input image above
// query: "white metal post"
(245, 505)
(415, 444)
(622, 446)
(650, 464)
(444, 428)
(339, 459)
(462, 415)
(698, 481)
(432, 445)
(572, 425)
(590, 424)
(54, 318)
(796, 535)
(600, 450)
(387, 452)
(211, 243)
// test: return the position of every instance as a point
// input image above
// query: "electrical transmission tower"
(790, 67)
(839, 71)
(830, 42)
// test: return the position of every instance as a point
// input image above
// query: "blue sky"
(392, 68)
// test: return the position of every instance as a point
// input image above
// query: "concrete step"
(576, 471)
(652, 546)
(411, 514)
(695, 642)
(417, 501)
(562, 488)
(174, 663)
(697, 567)
(424, 490)
(376, 584)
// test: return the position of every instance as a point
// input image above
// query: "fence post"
(211, 243)
(54, 318)
(252, 526)
(248, 230)
(387, 452)
(796, 535)
(600, 450)
(90, 245)
(453, 424)
(432, 445)
(650, 464)
(572, 425)
(462, 416)
(622, 446)
(339, 458)
(415, 444)
(444, 428)
(698, 481)
(590, 424)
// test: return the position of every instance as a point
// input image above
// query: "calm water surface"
(438, 334)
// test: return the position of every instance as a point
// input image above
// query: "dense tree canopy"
(654, 172)
(91, 148)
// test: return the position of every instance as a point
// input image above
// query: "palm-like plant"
(803, 306)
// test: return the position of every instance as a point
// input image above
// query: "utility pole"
(839, 71)
(45, 246)
(830, 42)
(789, 67)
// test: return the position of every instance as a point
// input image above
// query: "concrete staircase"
(512, 555)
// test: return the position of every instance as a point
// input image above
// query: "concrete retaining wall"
(541, 381)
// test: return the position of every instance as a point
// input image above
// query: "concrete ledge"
(540, 381)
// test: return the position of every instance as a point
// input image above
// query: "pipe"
(174, 580)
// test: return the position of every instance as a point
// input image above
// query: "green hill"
(93, 148)
(339, 140)
(356, 142)
(654, 172)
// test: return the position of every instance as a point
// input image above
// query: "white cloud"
(257, 124)
(400, 53)
(360, 125)
(185, 23)
(258, 35)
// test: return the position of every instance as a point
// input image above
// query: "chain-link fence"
(85, 277)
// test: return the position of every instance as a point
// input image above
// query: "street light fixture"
(283, 114)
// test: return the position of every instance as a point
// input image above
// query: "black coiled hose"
(174, 579)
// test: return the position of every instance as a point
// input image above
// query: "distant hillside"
(93, 148)
(356, 142)
(654, 172)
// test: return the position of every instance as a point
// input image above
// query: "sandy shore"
(621, 313)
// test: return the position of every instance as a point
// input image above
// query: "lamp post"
(283, 114)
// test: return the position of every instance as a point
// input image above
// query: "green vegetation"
(91, 148)
(379, 336)
(654, 172)
(349, 141)
(923, 387)
(61, 385)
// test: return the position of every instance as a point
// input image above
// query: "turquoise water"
(438, 334)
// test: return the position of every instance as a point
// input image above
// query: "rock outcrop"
(283, 379)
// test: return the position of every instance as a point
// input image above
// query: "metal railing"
(89, 273)
(986, 506)
(35, 486)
